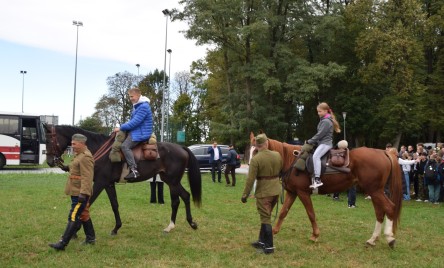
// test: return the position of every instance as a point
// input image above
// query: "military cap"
(261, 139)
(79, 137)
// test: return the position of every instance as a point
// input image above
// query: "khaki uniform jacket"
(81, 174)
(264, 163)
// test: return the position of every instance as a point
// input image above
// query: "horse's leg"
(288, 202)
(375, 235)
(175, 202)
(308, 204)
(388, 231)
(112, 196)
(186, 199)
(378, 200)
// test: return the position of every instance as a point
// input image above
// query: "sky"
(39, 37)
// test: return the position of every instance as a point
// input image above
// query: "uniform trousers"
(265, 206)
(79, 211)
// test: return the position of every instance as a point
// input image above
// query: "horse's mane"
(87, 133)
(95, 140)
(285, 150)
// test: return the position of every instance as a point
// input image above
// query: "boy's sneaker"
(436, 203)
(418, 200)
(351, 206)
(426, 201)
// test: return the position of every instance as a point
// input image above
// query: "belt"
(268, 177)
(75, 177)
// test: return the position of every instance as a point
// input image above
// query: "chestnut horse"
(372, 169)
(174, 160)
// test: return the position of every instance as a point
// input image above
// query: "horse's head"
(55, 144)
(251, 150)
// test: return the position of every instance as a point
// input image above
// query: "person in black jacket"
(231, 166)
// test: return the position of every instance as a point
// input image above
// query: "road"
(242, 170)
(31, 170)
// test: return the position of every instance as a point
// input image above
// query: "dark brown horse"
(371, 169)
(174, 160)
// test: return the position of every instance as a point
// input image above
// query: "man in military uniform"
(79, 187)
(264, 167)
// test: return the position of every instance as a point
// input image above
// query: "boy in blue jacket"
(139, 128)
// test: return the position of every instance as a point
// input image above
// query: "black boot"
(259, 244)
(133, 174)
(268, 248)
(89, 233)
(71, 229)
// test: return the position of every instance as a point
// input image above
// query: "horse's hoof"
(275, 231)
(313, 239)
(165, 232)
(193, 225)
(113, 233)
(392, 244)
(368, 244)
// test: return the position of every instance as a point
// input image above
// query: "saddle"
(335, 161)
(144, 151)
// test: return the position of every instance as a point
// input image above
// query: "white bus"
(22, 139)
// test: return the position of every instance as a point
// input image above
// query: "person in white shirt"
(215, 161)
(406, 163)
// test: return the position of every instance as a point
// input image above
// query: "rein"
(105, 148)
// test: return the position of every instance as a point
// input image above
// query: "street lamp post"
(77, 24)
(167, 14)
(168, 96)
(137, 65)
(23, 87)
(344, 115)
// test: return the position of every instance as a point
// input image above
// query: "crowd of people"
(423, 169)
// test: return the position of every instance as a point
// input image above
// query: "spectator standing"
(351, 196)
(402, 151)
(432, 179)
(421, 194)
(406, 162)
(441, 179)
(215, 161)
(232, 158)
(156, 184)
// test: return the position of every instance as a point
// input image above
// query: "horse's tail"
(194, 177)
(395, 190)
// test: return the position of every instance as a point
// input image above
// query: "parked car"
(203, 158)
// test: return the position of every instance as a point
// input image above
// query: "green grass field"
(34, 211)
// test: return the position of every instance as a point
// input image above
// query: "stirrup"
(133, 174)
(316, 183)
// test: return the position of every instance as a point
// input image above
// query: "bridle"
(54, 148)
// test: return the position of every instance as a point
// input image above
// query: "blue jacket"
(211, 152)
(140, 125)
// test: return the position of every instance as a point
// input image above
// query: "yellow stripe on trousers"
(74, 212)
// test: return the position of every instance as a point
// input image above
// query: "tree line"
(271, 62)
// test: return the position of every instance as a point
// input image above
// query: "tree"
(93, 124)
(393, 59)
(152, 87)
